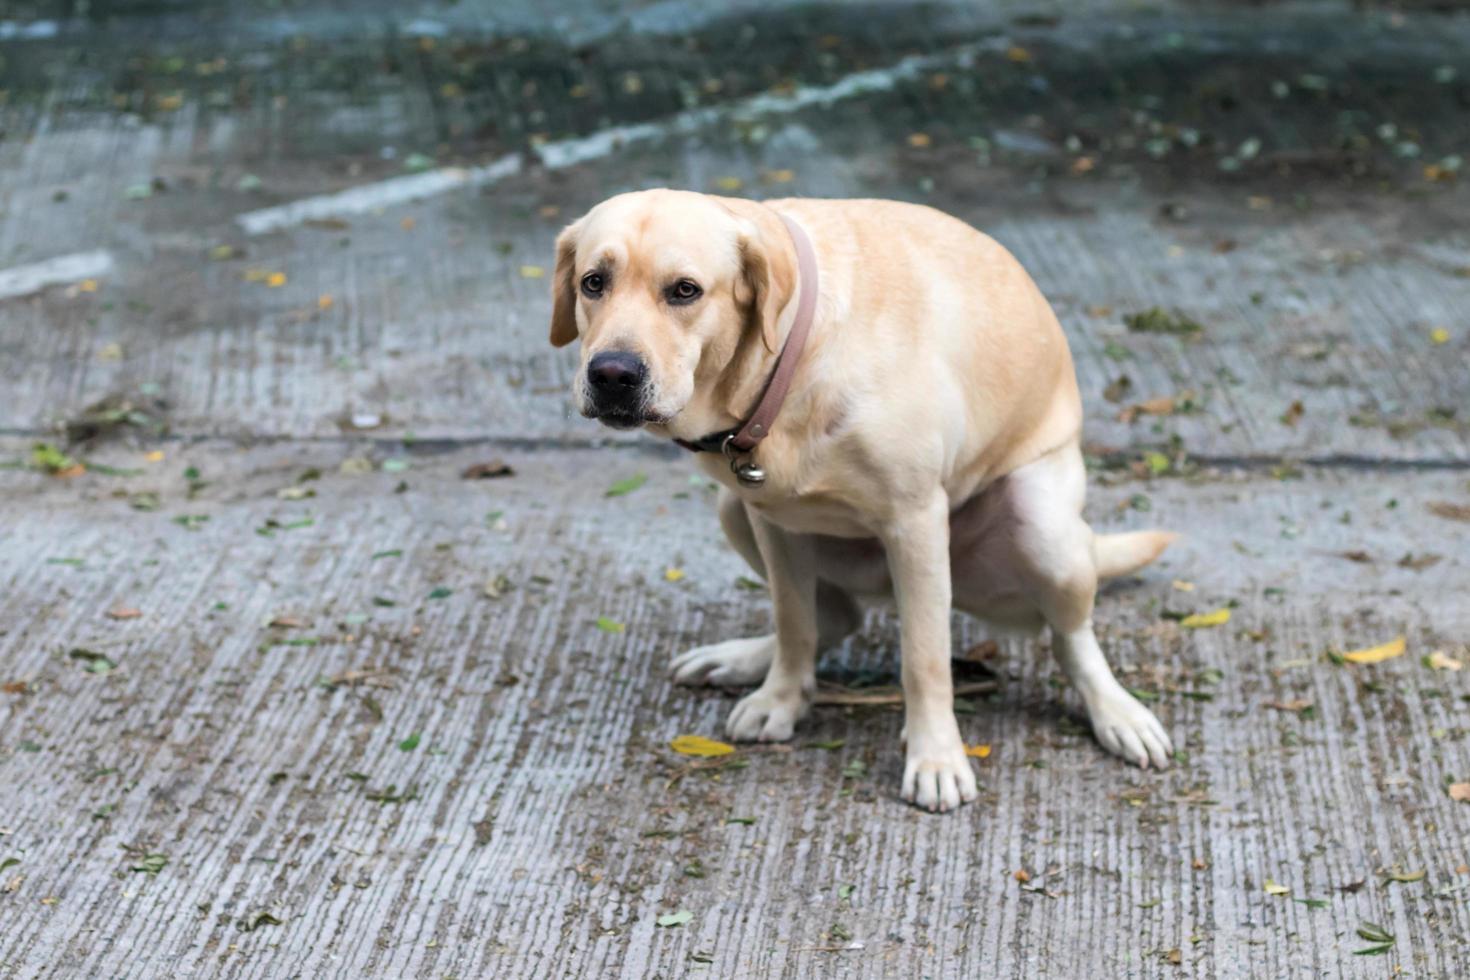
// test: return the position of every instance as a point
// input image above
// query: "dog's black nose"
(616, 375)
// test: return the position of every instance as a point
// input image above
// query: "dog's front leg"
(937, 774)
(771, 711)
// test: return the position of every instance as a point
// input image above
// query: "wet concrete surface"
(276, 425)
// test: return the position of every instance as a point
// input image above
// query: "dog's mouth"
(622, 421)
(618, 420)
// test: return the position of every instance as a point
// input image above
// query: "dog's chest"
(802, 510)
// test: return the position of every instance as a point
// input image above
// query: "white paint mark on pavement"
(567, 153)
(381, 194)
(36, 30)
(570, 152)
(26, 279)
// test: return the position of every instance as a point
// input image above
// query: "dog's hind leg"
(1029, 544)
(743, 662)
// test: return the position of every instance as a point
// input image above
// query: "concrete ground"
(284, 693)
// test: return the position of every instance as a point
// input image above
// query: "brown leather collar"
(743, 439)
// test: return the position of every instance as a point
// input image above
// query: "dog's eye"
(684, 291)
(592, 284)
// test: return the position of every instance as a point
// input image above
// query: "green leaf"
(1375, 933)
(610, 625)
(410, 743)
(743, 821)
(92, 661)
(675, 918)
(1312, 903)
(390, 553)
(623, 487)
(9, 863)
(150, 864)
(441, 593)
(1373, 950)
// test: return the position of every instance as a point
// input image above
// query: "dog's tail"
(1121, 554)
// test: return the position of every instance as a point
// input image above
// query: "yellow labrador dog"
(927, 450)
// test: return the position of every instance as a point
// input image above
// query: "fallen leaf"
(1453, 512)
(275, 280)
(610, 625)
(124, 612)
(1439, 335)
(1022, 875)
(1439, 660)
(1272, 888)
(1378, 654)
(488, 470)
(410, 743)
(288, 622)
(919, 140)
(1153, 406)
(532, 272)
(1406, 877)
(672, 574)
(1459, 792)
(699, 746)
(1293, 413)
(150, 864)
(624, 487)
(1219, 617)
(15, 687)
(92, 661)
(1295, 704)
(675, 918)
(258, 919)
(977, 751)
(729, 183)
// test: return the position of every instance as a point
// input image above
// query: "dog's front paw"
(734, 663)
(766, 715)
(1128, 729)
(937, 775)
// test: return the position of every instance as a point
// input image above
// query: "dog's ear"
(769, 277)
(564, 287)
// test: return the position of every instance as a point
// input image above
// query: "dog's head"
(670, 293)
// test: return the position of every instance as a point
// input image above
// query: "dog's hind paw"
(1128, 729)
(734, 663)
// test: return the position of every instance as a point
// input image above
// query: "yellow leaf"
(275, 280)
(532, 272)
(155, 457)
(977, 751)
(698, 745)
(87, 285)
(1018, 54)
(919, 140)
(729, 183)
(1219, 617)
(1439, 335)
(1378, 654)
(673, 574)
(780, 176)
(325, 301)
(1439, 660)
(1274, 889)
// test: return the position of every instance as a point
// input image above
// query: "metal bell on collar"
(745, 470)
(749, 474)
